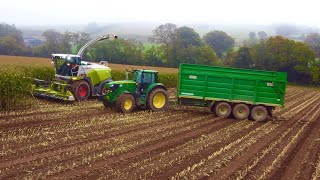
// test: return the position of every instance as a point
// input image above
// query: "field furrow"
(84, 140)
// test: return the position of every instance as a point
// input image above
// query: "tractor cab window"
(148, 78)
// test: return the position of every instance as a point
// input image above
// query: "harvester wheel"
(222, 109)
(158, 100)
(125, 103)
(80, 90)
(259, 113)
(241, 111)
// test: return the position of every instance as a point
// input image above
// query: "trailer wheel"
(125, 103)
(259, 113)
(80, 90)
(241, 111)
(158, 100)
(222, 109)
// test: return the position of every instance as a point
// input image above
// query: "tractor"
(75, 79)
(143, 91)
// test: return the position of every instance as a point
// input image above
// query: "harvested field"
(83, 140)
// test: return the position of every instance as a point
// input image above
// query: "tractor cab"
(144, 78)
(66, 64)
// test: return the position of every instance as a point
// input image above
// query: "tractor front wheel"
(158, 100)
(80, 90)
(125, 103)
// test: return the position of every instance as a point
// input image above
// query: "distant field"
(20, 60)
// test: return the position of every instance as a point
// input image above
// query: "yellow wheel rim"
(127, 104)
(159, 100)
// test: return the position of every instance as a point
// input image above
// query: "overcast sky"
(43, 12)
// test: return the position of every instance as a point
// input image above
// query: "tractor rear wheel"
(222, 109)
(125, 103)
(80, 90)
(259, 113)
(158, 100)
(241, 111)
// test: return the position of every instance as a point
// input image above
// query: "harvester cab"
(75, 79)
(143, 91)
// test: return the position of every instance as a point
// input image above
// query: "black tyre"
(81, 90)
(106, 104)
(158, 100)
(222, 109)
(259, 113)
(125, 103)
(241, 111)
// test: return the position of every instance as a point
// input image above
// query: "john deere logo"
(192, 77)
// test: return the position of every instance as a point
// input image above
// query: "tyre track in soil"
(289, 105)
(168, 170)
(295, 107)
(79, 158)
(125, 135)
(310, 160)
(91, 141)
(294, 103)
(154, 148)
(230, 171)
(298, 156)
(190, 160)
(260, 168)
(283, 150)
(54, 121)
(293, 96)
(23, 114)
(143, 125)
(237, 164)
(61, 148)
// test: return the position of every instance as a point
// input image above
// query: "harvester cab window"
(75, 62)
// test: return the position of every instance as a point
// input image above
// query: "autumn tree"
(186, 36)
(166, 35)
(262, 35)
(281, 54)
(243, 58)
(313, 40)
(219, 41)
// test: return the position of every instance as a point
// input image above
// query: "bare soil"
(86, 141)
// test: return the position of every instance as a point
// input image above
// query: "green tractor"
(75, 79)
(143, 91)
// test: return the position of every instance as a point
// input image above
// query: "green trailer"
(241, 92)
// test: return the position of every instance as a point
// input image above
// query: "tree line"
(171, 45)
